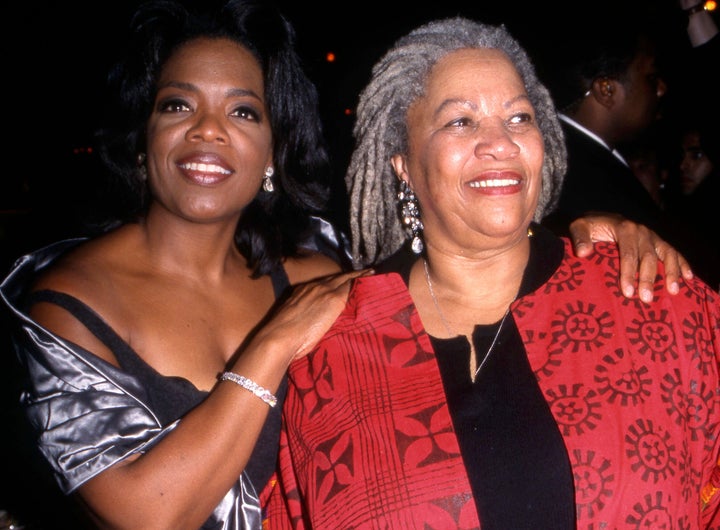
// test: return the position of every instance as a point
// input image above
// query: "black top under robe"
(515, 456)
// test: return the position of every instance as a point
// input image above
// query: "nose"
(685, 163)
(493, 139)
(207, 127)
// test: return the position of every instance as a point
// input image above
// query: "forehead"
(210, 56)
(691, 137)
(481, 68)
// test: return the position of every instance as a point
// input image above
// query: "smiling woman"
(488, 378)
(156, 352)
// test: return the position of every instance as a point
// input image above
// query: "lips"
(497, 182)
(494, 183)
(205, 168)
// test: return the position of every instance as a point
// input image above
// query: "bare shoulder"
(84, 268)
(82, 274)
(79, 270)
(310, 265)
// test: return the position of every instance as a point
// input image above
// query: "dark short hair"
(605, 48)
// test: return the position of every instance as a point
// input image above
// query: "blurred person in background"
(608, 87)
(696, 197)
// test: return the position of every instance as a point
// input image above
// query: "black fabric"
(597, 181)
(172, 397)
(516, 460)
(169, 397)
(517, 463)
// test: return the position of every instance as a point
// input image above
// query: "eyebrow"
(473, 106)
(516, 99)
(233, 92)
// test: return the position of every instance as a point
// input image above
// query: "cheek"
(704, 168)
(444, 158)
(160, 140)
(534, 153)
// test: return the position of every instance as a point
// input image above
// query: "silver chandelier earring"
(411, 216)
(267, 180)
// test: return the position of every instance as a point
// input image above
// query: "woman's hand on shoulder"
(640, 249)
(298, 323)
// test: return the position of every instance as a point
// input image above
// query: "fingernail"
(674, 288)
(646, 296)
(629, 290)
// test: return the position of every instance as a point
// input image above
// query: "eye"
(460, 123)
(173, 105)
(520, 119)
(246, 112)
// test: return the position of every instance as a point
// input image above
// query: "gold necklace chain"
(452, 333)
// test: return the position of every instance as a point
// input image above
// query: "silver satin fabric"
(87, 413)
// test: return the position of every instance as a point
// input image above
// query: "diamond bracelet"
(248, 384)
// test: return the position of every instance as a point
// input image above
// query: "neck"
(468, 291)
(596, 120)
(189, 249)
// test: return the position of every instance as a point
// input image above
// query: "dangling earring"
(267, 180)
(411, 216)
(142, 168)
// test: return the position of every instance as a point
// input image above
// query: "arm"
(640, 249)
(701, 26)
(179, 480)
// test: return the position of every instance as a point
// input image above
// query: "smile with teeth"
(205, 168)
(494, 183)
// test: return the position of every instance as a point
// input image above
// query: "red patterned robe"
(368, 440)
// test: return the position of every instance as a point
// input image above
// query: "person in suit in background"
(608, 88)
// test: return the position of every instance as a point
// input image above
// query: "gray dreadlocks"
(380, 131)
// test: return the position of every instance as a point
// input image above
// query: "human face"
(695, 166)
(209, 137)
(643, 89)
(475, 153)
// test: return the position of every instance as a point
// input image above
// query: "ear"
(605, 91)
(399, 165)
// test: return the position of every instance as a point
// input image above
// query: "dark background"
(56, 55)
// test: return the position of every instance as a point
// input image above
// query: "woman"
(492, 378)
(216, 129)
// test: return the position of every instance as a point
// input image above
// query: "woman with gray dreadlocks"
(485, 376)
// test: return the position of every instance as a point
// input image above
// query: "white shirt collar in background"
(594, 136)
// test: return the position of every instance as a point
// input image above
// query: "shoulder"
(84, 273)
(77, 270)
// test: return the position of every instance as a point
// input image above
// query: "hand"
(639, 247)
(301, 320)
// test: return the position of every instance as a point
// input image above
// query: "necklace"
(452, 334)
